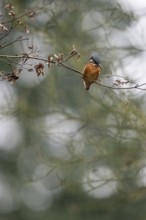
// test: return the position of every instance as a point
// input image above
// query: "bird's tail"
(86, 84)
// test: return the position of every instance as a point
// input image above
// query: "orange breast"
(91, 72)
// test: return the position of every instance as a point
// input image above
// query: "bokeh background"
(67, 153)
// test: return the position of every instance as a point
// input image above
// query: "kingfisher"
(91, 71)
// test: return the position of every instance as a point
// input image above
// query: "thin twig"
(27, 13)
(14, 41)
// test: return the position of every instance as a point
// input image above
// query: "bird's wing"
(86, 70)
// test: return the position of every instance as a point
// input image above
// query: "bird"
(91, 71)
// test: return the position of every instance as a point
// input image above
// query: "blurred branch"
(20, 38)
(29, 13)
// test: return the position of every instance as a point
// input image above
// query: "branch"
(30, 13)
(60, 60)
(14, 41)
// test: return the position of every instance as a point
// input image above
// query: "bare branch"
(60, 59)
(28, 13)
(14, 41)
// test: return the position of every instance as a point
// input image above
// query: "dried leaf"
(39, 69)
(12, 77)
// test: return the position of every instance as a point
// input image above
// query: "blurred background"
(67, 153)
